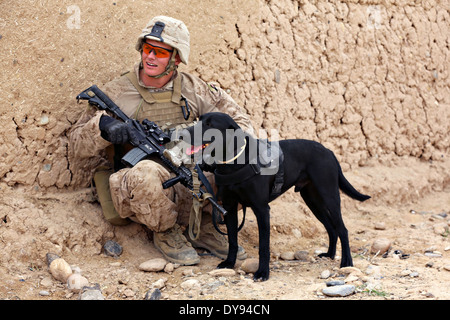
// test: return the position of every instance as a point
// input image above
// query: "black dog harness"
(246, 172)
(252, 169)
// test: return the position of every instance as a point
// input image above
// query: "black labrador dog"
(241, 178)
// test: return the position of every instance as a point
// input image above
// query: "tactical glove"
(115, 131)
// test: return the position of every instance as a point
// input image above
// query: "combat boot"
(213, 241)
(174, 246)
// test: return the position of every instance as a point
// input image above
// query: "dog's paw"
(346, 263)
(326, 255)
(226, 265)
(261, 275)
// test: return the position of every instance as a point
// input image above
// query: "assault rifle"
(151, 140)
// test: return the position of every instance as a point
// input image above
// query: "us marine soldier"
(154, 90)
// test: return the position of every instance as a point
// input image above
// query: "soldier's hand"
(115, 131)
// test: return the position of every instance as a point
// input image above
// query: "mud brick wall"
(369, 79)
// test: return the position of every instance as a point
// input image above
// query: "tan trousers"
(137, 193)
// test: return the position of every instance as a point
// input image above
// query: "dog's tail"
(348, 189)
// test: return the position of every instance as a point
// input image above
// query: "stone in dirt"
(76, 281)
(153, 295)
(334, 283)
(222, 272)
(50, 257)
(380, 245)
(153, 265)
(60, 269)
(289, 255)
(250, 265)
(91, 293)
(112, 248)
(190, 284)
(339, 291)
(301, 255)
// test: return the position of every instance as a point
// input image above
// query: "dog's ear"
(232, 124)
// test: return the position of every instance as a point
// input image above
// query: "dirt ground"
(70, 224)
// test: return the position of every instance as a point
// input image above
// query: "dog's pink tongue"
(193, 149)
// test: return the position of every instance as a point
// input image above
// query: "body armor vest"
(168, 109)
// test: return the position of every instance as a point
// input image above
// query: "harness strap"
(279, 178)
(250, 170)
(246, 172)
(195, 217)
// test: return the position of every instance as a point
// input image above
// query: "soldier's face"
(154, 62)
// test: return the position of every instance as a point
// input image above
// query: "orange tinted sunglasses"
(159, 52)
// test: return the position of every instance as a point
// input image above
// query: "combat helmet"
(170, 31)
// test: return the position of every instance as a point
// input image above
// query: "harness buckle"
(256, 168)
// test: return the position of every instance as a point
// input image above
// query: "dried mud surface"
(368, 79)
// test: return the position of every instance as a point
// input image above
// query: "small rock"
(153, 295)
(414, 274)
(325, 274)
(190, 284)
(76, 281)
(250, 265)
(301, 256)
(60, 269)
(354, 276)
(380, 246)
(398, 254)
(339, 291)
(112, 248)
(44, 120)
(380, 226)
(335, 283)
(46, 282)
(287, 255)
(434, 254)
(91, 293)
(447, 267)
(350, 270)
(159, 284)
(297, 233)
(189, 272)
(222, 273)
(440, 228)
(128, 293)
(405, 272)
(169, 268)
(153, 265)
(50, 257)
(44, 293)
(76, 269)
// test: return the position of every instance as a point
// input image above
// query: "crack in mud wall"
(369, 79)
